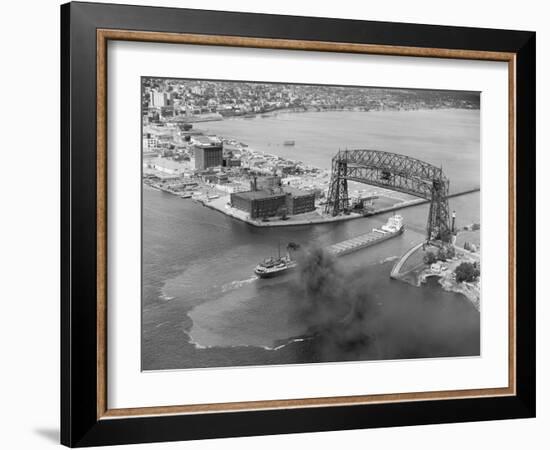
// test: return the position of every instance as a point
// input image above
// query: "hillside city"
(228, 98)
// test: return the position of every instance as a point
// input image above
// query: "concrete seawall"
(395, 273)
(293, 221)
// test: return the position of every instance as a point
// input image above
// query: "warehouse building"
(259, 204)
(298, 201)
(269, 203)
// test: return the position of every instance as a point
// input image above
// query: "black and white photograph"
(298, 224)
(276, 225)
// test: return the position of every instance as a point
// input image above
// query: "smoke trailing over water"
(334, 307)
(350, 320)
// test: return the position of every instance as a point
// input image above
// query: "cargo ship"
(392, 228)
(272, 266)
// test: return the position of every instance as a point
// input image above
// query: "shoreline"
(219, 205)
(418, 275)
(308, 218)
(274, 113)
(470, 293)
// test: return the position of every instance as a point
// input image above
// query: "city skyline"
(241, 97)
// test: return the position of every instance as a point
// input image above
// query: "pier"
(318, 218)
(397, 268)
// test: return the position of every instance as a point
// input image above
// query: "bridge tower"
(338, 200)
(438, 217)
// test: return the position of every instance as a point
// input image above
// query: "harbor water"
(202, 305)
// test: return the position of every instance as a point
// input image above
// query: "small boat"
(186, 195)
(272, 267)
(289, 142)
(212, 196)
(275, 266)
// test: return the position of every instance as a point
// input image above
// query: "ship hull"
(274, 273)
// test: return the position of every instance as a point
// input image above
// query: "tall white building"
(160, 99)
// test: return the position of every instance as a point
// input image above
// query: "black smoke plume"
(350, 319)
(333, 306)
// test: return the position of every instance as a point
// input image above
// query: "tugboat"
(272, 267)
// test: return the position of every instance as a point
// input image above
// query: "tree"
(446, 252)
(430, 258)
(450, 251)
(466, 272)
(442, 254)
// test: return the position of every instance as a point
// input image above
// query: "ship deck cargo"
(392, 228)
(360, 242)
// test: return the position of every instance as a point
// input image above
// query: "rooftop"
(295, 192)
(256, 195)
(206, 141)
(277, 192)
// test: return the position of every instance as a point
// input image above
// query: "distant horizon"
(328, 85)
(236, 96)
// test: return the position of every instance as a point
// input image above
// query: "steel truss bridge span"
(395, 172)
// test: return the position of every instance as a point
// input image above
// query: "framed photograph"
(277, 224)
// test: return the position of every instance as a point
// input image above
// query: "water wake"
(388, 259)
(237, 284)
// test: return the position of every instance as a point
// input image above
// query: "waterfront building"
(209, 177)
(298, 201)
(272, 202)
(363, 201)
(206, 157)
(259, 204)
(265, 183)
(208, 152)
(231, 162)
(221, 178)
